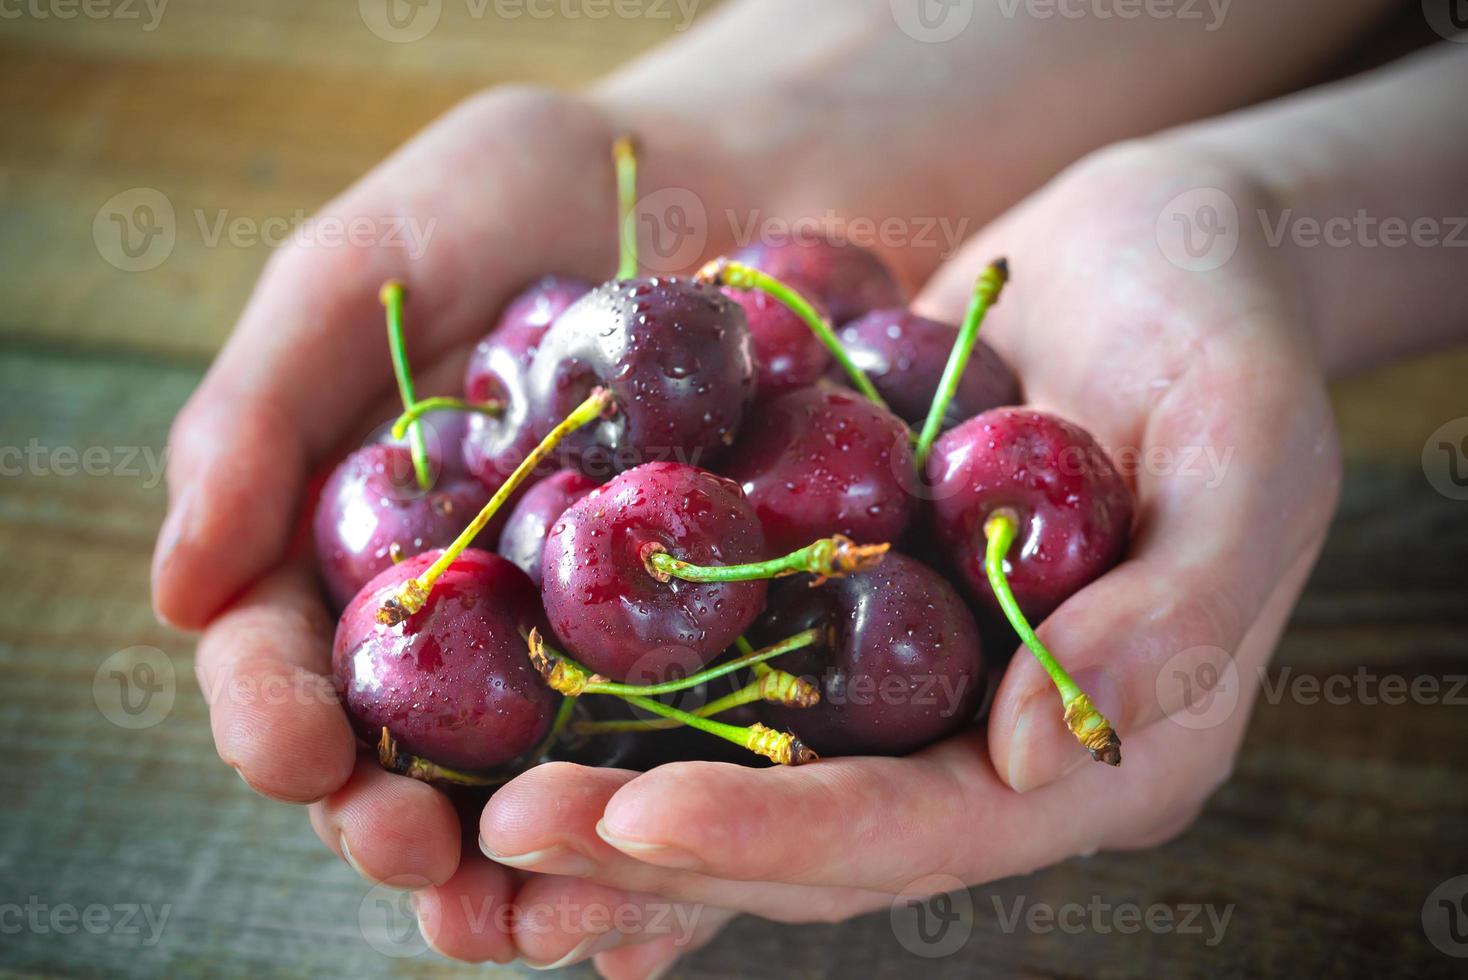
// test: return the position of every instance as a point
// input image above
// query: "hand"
(507, 187)
(1163, 365)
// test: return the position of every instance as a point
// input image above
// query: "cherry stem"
(438, 403)
(1085, 722)
(562, 674)
(414, 592)
(986, 293)
(745, 648)
(624, 155)
(781, 747)
(392, 295)
(421, 769)
(775, 686)
(567, 677)
(831, 557)
(737, 275)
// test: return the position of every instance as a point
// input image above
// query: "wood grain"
(1337, 824)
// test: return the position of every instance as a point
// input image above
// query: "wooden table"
(1340, 821)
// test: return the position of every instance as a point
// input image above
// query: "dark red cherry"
(493, 447)
(372, 511)
(823, 461)
(1074, 509)
(523, 538)
(900, 667)
(904, 355)
(453, 682)
(676, 356)
(845, 279)
(608, 610)
(787, 354)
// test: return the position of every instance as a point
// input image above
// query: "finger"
(648, 960)
(275, 716)
(469, 917)
(880, 824)
(390, 828)
(241, 449)
(546, 819)
(563, 921)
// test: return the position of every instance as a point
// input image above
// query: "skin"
(1246, 346)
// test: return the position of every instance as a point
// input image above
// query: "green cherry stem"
(438, 403)
(563, 674)
(567, 677)
(781, 747)
(624, 155)
(986, 293)
(1087, 724)
(414, 592)
(775, 686)
(737, 275)
(826, 558)
(392, 296)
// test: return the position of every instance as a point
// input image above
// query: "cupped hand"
(1204, 384)
(509, 186)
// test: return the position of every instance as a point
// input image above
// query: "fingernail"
(172, 528)
(341, 843)
(585, 949)
(659, 854)
(1041, 749)
(553, 860)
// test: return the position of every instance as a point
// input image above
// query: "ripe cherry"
(451, 683)
(899, 664)
(372, 513)
(787, 354)
(523, 538)
(822, 461)
(493, 447)
(676, 356)
(609, 610)
(1073, 510)
(844, 279)
(904, 355)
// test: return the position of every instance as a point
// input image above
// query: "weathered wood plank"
(1339, 821)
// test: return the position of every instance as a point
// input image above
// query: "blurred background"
(126, 848)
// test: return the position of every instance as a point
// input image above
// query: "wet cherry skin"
(608, 610)
(371, 509)
(825, 460)
(787, 354)
(453, 682)
(525, 531)
(904, 354)
(676, 356)
(845, 280)
(901, 665)
(493, 447)
(1075, 511)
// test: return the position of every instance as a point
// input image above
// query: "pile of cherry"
(768, 483)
